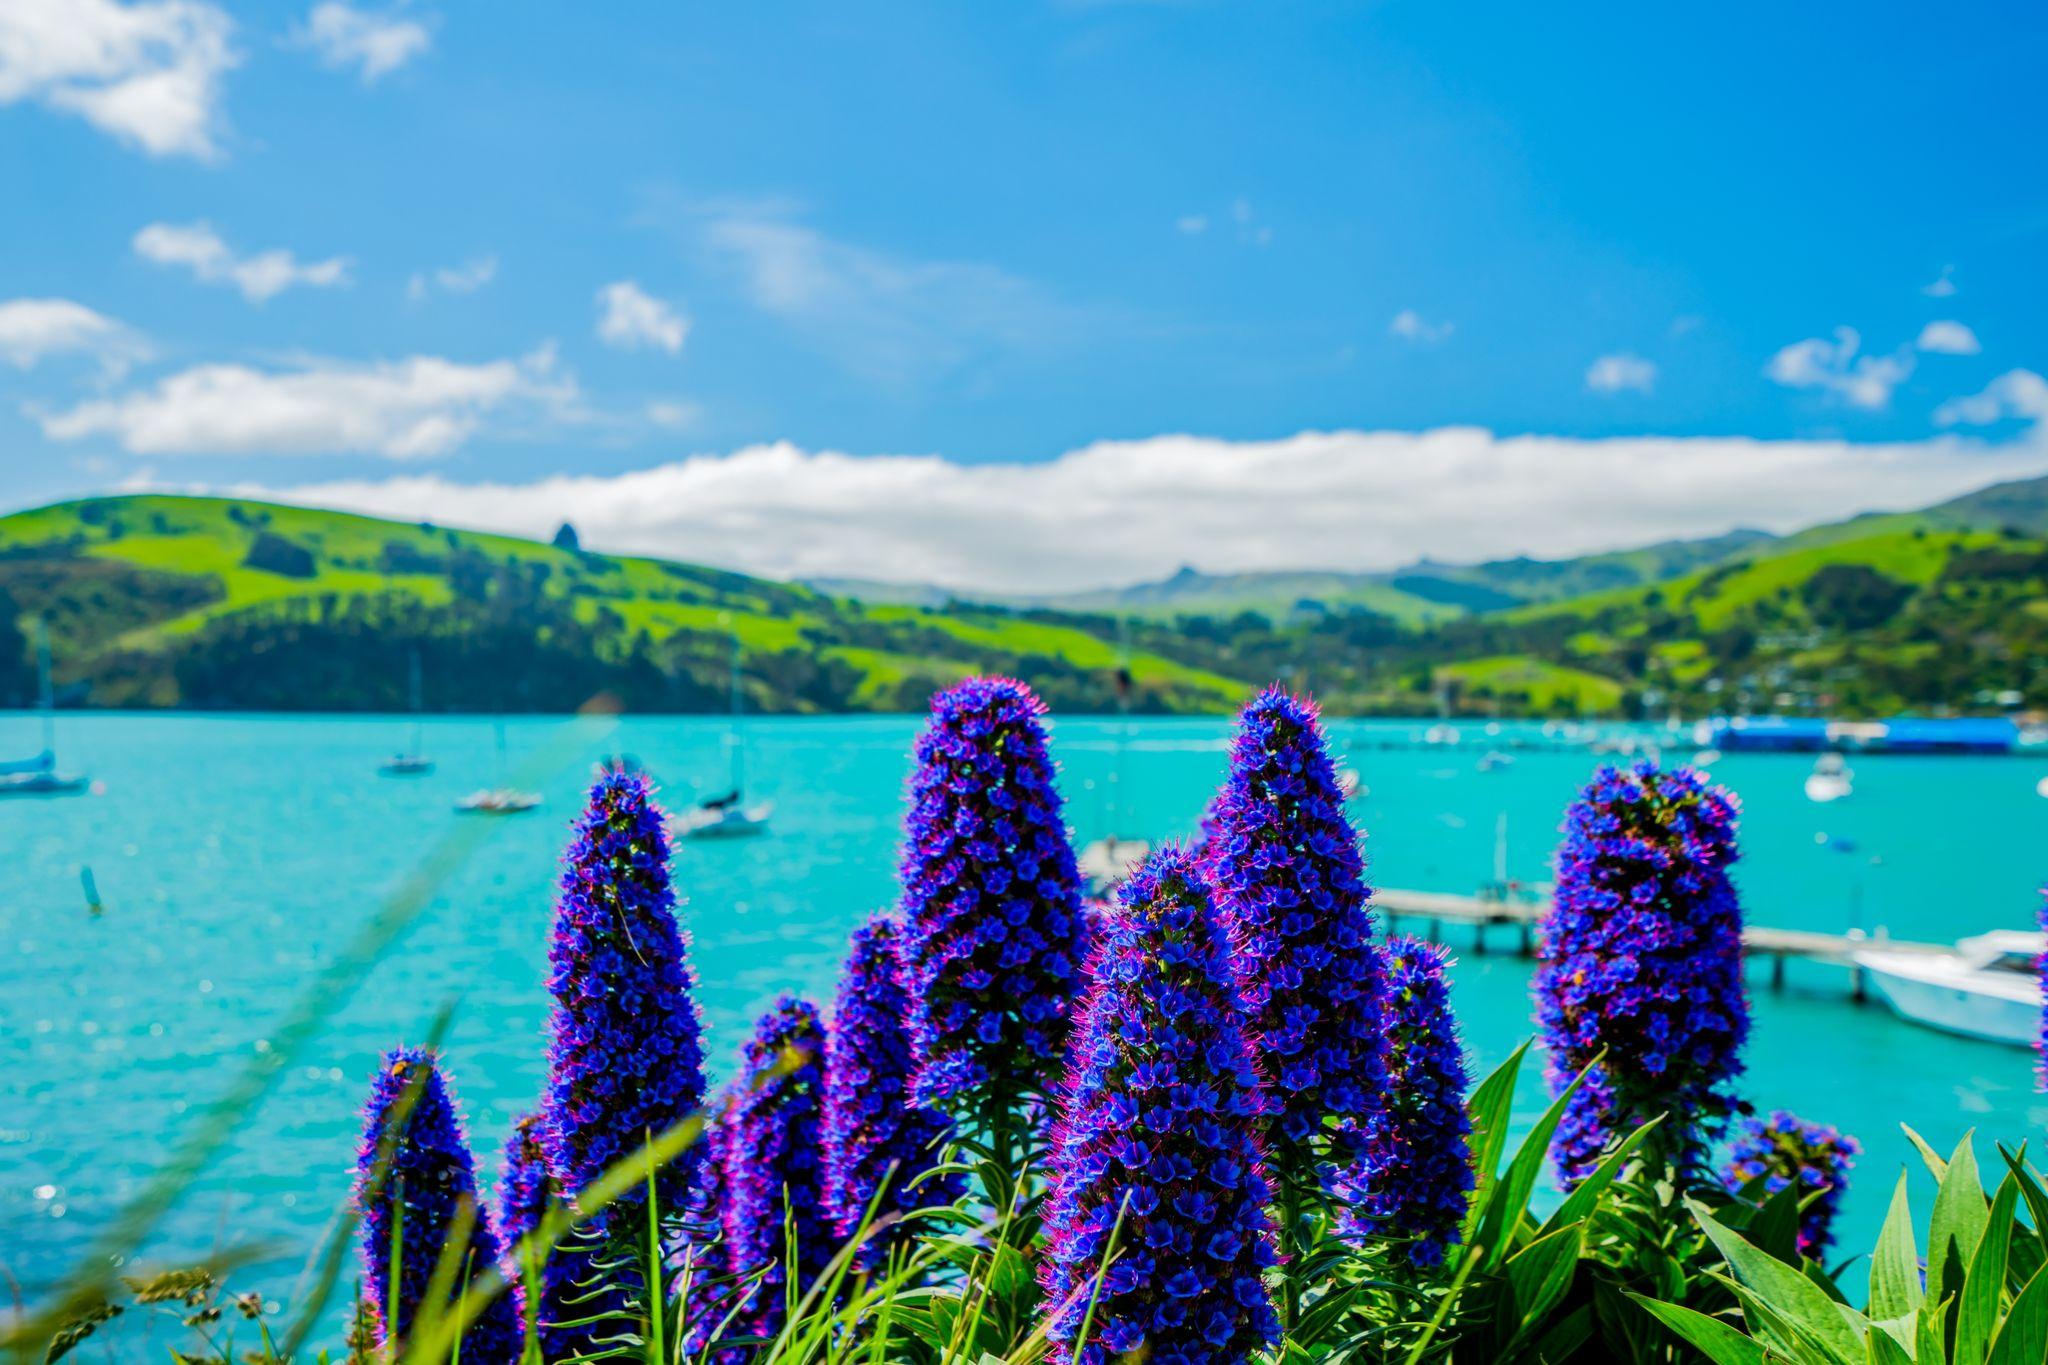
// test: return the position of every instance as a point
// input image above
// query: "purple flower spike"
(871, 1125)
(1159, 1120)
(1642, 956)
(1424, 1184)
(992, 927)
(429, 1177)
(626, 1062)
(770, 1152)
(1785, 1149)
(568, 1286)
(1289, 884)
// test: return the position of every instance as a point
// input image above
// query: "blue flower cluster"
(567, 1286)
(1159, 1124)
(873, 1131)
(1785, 1148)
(414, 1171)
(1425, 1180)
(994, 936)
(626, 1062)
(1642, 957)
(1289, 883)
(771, 1167)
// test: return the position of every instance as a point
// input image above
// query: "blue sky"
(977, 292)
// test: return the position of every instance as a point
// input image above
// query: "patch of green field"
(1549, 688)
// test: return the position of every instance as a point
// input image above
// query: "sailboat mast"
(418, 725)
(46, 697)
(732, 724)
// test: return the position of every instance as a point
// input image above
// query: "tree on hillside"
(567, 539)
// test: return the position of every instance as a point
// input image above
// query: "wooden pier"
(1522, 913)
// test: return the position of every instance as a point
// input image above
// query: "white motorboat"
(1989, 987)
(39, 776)
(1832, 779)
(1494, 761)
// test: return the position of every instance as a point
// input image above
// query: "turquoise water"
(235, 854)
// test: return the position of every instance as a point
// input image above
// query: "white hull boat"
(39, 776)
(1831, 780)
(1106, 864)
(724, 822)
(1989, 987)
(40, 782)
(498, 801)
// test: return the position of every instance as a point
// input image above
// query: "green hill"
(219, 603)
(225, 603)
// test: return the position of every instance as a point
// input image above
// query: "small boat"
(1832, 779)
(1493, 761)
(728, 816)
(498, 801)
(410, 761)
(1706, 758)
(1989, 987)
(1107, 863)
(39, 776)
(723, 817)
(502, 799)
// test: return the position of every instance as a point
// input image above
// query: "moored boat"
(1989, 987)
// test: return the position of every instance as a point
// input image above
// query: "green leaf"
(1933, 1329)
(1491, 1107)
(1927, 1153)
(1957, 1222)
(1895, 1265)
(1775, 1228)
(1504, 1209)
(1540, 1273)
(1585, 1196)
(1885, 1351)
(2023, 1340)
(1811, 1313)
(1984, 1286)
(1713, 1338)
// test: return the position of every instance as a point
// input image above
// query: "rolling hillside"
(198, 602)
(174, 601)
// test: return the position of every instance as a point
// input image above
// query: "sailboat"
(501, 799)
(410, 761)
(727, 815)
(38, 776)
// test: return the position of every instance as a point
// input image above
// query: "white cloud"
(1948, 338)
(674, 414)
(2016, 393)
(374, 44)
(1192, 223)
(630, 318)
(31, 329)
(1621, 372)
(466, 278)
(1125, 511)
(148, 73)
(1409, 325)
(1943, 286)
(409, 409)
(896, 321)
(1862, 381)
(198, 248)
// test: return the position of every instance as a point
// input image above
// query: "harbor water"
(236, 856)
